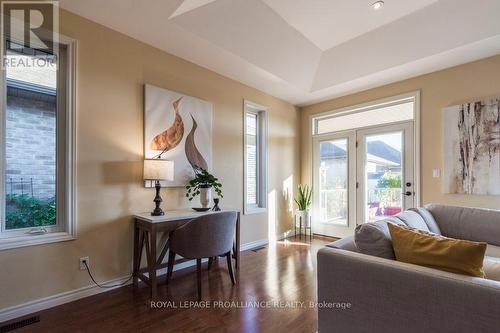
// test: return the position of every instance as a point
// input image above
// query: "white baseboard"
(73, 295)
(286, 234)
(254, 244)
(58, 299)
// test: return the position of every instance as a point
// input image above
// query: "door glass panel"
(383, 175)
(333, 182)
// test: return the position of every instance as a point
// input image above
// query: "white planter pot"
(205, 196)
(305, 215)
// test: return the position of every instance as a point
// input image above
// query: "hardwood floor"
(285, 272)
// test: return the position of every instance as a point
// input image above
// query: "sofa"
(366, 293)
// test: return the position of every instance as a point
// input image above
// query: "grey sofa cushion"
(374, 238)
(428, 218)
(475, 224)
(346, 243)
(413, 219)
(491, 267)
(493, 251)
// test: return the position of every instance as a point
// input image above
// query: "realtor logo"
(29, 28)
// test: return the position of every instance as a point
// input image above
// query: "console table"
(146, 229)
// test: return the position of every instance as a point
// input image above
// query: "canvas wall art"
(472, 148)
(180, 128)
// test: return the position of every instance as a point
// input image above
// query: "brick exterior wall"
(30, 143)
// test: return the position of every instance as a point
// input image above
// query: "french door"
(334, 164)
(360, 176)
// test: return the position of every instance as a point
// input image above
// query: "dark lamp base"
(157, 200)
(156, 213)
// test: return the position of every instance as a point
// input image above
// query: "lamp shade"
(158, 169)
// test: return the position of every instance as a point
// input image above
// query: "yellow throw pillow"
(430, 250)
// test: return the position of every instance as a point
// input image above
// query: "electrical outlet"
(82, 265)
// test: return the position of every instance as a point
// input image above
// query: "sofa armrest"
(397, 297)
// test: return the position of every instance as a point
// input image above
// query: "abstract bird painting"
(171, 137)
(193, 155)
(178, 127)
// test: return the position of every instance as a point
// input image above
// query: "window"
(365, 162)
(255, 160)
(36, 146)
(365, 116)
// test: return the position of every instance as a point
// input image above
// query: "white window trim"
(262, 158)
(66, 230)
(391, 100)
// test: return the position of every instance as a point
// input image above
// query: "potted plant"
(389, 193)
(304, 201)
(202, 184)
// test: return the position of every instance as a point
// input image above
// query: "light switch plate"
(436, 173)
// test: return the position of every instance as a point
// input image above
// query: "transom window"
(365, 116)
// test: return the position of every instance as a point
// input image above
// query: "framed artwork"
(472, 148)
(179, 127)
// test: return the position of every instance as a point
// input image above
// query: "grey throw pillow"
(413, 219)
(428, 218)
(374, 238)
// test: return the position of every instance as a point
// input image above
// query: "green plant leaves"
(389, 180)
(304, 197)
(203, 179)
(24, 211)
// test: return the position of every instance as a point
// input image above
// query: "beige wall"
(112, 70)
(438, 90)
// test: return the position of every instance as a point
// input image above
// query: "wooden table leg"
(163, 252)
(152, 263)
(136, 259)
(238, 222)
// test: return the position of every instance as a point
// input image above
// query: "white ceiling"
(188, 5)
(328, 23)
(305, 51)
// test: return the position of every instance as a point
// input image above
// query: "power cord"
(103, 286)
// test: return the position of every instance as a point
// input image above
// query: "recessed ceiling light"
(377, 5)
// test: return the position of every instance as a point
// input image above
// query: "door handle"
(408, 193)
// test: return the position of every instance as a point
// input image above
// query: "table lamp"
(158, 169)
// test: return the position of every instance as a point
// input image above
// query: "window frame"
(261, 157)
(65, 228)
